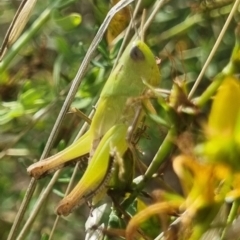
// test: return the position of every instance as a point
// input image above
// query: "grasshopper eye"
(136, 54)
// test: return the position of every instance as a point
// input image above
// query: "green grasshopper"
(109, 127)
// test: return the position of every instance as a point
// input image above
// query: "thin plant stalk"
(215, 47)
(231, 217)
(27, 36)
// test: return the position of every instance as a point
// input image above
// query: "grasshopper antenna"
(127, 32)
(133, 23)
(143, 20)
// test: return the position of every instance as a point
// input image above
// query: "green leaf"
(68, 22)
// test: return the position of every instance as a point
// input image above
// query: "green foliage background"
(34, 85)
